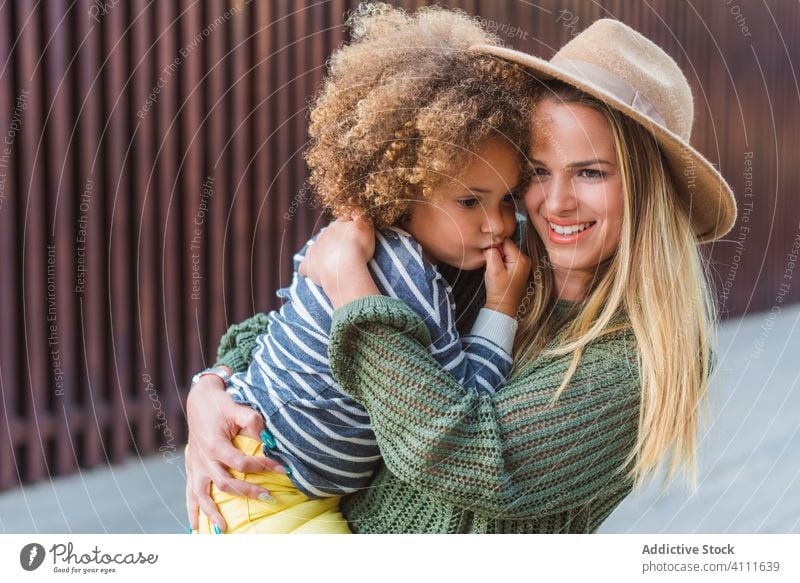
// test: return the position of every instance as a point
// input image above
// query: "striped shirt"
(319, 431)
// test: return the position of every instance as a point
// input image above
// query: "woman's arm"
(508, 455)
(214, 419)
(237, 344)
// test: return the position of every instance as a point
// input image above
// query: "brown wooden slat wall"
(169, 135)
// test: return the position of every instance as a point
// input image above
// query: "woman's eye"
(590, 173)
(539, 172)
(468, 203)
(510, 198)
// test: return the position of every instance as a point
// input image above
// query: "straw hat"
(614, 63)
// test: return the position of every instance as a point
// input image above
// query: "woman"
(613, 349)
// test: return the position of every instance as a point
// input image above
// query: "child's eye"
(510, 198)
(538, 172)
(591, 173)
(469, 203)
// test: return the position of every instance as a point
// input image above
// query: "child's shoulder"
(401, 270)
(397, 235)
(400, 245)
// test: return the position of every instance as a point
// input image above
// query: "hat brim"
(708, 197)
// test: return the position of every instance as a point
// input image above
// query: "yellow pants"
(292, 512)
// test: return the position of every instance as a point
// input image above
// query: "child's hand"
(507, 274)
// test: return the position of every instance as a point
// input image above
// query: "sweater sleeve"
(478, 360)
(237, 344)
(509, 455)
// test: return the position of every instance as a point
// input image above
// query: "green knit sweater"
(460, 462)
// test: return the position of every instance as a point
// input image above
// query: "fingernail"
(268, 440)
(287, 470)
(267, 497)
(217, 529)
(190, 529)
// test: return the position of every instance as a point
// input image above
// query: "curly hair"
(402, 107)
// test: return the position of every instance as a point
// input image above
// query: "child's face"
(576, 185)
(473, 213)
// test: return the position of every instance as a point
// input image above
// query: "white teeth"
(571, 230)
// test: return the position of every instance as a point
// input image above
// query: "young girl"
(409, 132)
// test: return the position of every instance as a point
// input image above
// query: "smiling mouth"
(570, 230)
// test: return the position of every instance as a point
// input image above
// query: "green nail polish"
(268, 440)
(268, 498)
(190, 529)
(217, 530)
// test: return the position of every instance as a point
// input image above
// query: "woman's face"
(575, 200)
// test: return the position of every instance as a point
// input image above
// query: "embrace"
(507, 328)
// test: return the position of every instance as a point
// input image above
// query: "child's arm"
(507, 272)
(337, 262)
(480, 360)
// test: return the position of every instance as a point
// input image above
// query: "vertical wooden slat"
(264, 280)
(733, 97)
(195, 211)
(335, 14)
(308, 220)
(92, 299)
(10, 305)
(31, 186)
(282, 190)
(62, 229)
(787, 224)
(711, 130)
(216, 168)
(300, 88)
(169, 203)
(115, 143)
(785, 105)
(145, 214)
(240, 151)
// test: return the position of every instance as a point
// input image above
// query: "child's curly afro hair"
(403, 105)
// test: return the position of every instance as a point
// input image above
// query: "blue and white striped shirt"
(321, 433)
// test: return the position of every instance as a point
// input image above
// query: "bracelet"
(217, 371)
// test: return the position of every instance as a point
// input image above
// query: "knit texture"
(456, 461)
(237, 344)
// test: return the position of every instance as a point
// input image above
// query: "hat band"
(611, 84)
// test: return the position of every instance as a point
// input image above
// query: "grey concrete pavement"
(749, 452)
(749, 471)
(141, 495)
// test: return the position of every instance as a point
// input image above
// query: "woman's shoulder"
(611, 360)
(617, 347)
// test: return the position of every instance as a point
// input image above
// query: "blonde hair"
(655, 285)
(402, 107)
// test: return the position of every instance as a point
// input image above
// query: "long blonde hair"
(655, 285)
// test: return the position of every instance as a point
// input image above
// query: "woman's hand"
(214, 420)
(507, 274)
(338, 259)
